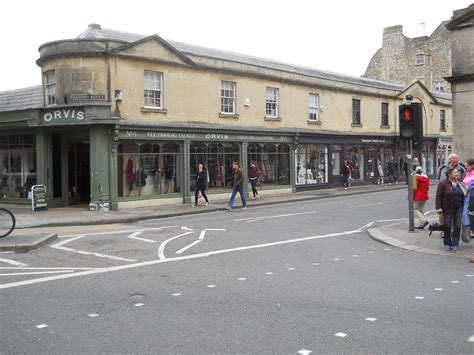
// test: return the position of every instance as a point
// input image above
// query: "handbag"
(437, 227)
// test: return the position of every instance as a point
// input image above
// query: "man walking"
(237, 185)
(392, 170)
(453, 162)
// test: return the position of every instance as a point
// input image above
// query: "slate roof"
(21, 99)
(95, 32)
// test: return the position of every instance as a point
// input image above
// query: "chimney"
(95, 26)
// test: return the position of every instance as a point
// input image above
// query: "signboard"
(64, 115)
(86, 97)
(38, 198)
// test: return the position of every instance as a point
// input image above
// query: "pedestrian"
(449, 203)
(237, 185)
(346, 173)
(469, 165)
(254, 175)
(392, 170)
(453, 162)
(200, 187)
(468, 209)
(420, 196)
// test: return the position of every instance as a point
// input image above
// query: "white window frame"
(442, 119)
(50, 88)
(420, 59)
(440, 86)
(271, 105)
(152, 89)
(313, 107)
(384, 115)
(228, 97)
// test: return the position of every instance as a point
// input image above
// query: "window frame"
(356, 112)
(313, 110)
(50, 98)
(442, 120)
(420, 59)
(271, 102)
(231, 99)
(151, 99)
(384, 114)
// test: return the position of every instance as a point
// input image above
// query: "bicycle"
(7, 222)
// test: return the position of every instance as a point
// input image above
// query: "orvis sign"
(63, 115)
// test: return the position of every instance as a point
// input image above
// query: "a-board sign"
(38, 198)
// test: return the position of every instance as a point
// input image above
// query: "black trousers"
(253, 182)
(196, 194)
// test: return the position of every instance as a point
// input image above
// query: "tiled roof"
(95, 32)
(21, 99)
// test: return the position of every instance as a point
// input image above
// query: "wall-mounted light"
(247, 102)
(118, 95)
(321, 108)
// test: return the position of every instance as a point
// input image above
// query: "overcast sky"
(337, 35)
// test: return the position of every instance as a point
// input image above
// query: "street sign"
(38, 198)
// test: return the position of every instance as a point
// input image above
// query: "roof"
(98, 33)
(21, 99)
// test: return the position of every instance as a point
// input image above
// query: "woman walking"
(449, 202)
(254, 174)
(237, 185)
(200, 185)
(346, 173)
(420, 196)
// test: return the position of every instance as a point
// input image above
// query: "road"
(291, 278)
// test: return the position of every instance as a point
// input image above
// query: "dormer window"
(420, 59)
(50, 88)
(439, 87)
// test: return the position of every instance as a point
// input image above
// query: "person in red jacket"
(420, 196)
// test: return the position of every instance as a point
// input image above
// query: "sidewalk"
(395, 234)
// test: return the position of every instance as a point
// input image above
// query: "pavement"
(24, 237)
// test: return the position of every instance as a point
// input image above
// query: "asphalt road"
(277, 279)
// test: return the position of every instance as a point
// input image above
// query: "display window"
(383, 157)
(273, 162)
(311, 164)
(355, 156)
(217, 160)
(17, 166)
(428, 159)
(148, 169)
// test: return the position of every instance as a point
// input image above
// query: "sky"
(339, 36)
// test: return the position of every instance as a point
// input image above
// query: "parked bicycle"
(7, 222)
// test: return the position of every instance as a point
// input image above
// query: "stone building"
(402, 59)
(462, 80)
(121, 120)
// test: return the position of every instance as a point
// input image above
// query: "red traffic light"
(407, 113)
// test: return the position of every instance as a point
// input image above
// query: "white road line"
(371, 204)
(371, 319)
(92, 315)
(48, 268)
(391, 220)
(67, 241)
(161, 249)
(304, 352)
(118, 232)
(471, 339)
(253, 219)
(187, 229)
(35, 273)
(41, 326)
(419, 298)
(134, 236)
(180, 258)
(13, 262)
(342, 335)
(202, 234)
(188, 246)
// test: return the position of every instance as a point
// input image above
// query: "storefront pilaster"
(100, 156)
(43, 162)
(245, 164)
(186, 173)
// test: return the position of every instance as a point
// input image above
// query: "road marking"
(387, 249)
(291, 268)
(469, 275)
(261, 218)
(176, 294)
(186, 228)
(47, 268)
(135, 234)
(179, 258)
(269, 273)
(454, 282)
(342, 335)
(371, 204)
(355, 255)
(13, 262)
(35, 273)
(315, 264)
(41, 326)
(161, 249)
(371, 319)
(60, 246)
(371, 252)
(92, 315)
(211, 286)
(304, 352)
(117, 232)
(471, 339)
(241, 279)
(201, 238)
(419, 298)
(438, 289)
(138, 304)
(390, 220)
(336, 259)
(188, 246)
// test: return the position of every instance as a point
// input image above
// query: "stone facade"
(462, 80)
(402, 60)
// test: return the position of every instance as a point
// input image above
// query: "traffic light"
(411, 124)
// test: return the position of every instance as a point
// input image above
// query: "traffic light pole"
(411, 217)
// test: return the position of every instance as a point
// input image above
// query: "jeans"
(453, 219)
(242, 197)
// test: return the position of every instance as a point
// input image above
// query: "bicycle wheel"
(7, 222)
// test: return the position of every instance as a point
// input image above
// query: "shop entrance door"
(79, 185)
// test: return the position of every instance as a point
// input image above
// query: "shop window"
(148, 169)
(355, 156)
(336, 160)
(311, 164)
(383, 157)
(50, 88)
(17, 166)
(153, 89)
(227, 97)
(427, 160)
(273, 162)
(217, 159)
